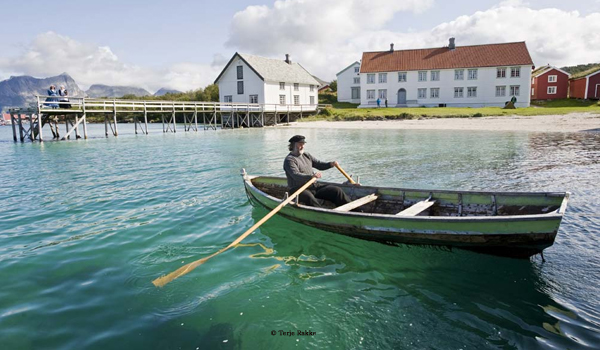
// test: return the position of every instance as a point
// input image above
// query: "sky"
(184, 44)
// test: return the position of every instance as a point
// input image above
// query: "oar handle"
(345, 174)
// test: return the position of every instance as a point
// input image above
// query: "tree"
(211, 93)
(333, 85)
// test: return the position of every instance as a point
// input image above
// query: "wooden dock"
(210, 115)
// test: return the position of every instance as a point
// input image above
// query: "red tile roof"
(490, 55)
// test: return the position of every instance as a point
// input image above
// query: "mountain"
(20, 91)
(98, 90)
(164, 91)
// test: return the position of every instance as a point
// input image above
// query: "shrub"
(326, 111)
(477, 115)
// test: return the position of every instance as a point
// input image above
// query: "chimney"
(287, 58)
(451, 46)
(392, 47)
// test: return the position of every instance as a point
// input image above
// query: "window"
(515, 72)
(459, 74)
(500, 91)
(422, 93)
(458, 92)
(472, 74)
(296, 86)
(355, 93)
(296, 99)
(434, 92)
(312, 88)
(532, 91)
(435, 75)
(383, 94)
(240, 72)
(282, 86)
(551, 90)
(382, 78)
(401, 77)
(515, 90)
(356, 69)
(312, 100)
(370, 78)
(228, 99)
(552, 78)
(472, 91)
(532, 81)
(240, 87)
(253, 98)
(357, 80)
(370, 94)
(501, 73)
(282, 99)
(422, 76)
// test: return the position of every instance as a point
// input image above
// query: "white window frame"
(459, 74)
(422, 93)
(402, 77)
(296, 100)
(532, 91)
(472, 91)
(296, 87)
(472, 74)
(382, 93)
(515, 72)
(370, 94)
(356, 80)
(552, 78)
(435, 75)
(500, 90)
(515, 90)
(500, 72)
(371, 78)
(228, 98)
(357, 95)
(382, 78)
(434, 93)
(552, 90)
(459, 92)
(312, 100)
(282, 100)
(312, 88)
(423, 75)
(356, 69)
(533, 81)
(251, 97)
(282, 85)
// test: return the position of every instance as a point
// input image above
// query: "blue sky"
(184, 44)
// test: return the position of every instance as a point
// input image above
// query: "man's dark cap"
(298, 138)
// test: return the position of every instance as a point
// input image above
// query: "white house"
(453, 76)
(348, 84)
(276, 84)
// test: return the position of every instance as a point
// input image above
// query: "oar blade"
(162, 280)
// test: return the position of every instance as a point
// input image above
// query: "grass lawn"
(348, 111)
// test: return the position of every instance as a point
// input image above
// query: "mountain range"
(20, 91)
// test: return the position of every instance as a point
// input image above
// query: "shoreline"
(573, 122)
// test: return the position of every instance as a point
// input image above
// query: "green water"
(85, 226)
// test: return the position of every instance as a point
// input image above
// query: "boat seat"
(416, 208)
(357, 203)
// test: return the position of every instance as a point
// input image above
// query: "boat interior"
(411, 202)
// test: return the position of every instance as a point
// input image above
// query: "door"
(597, 95)
(401, 97)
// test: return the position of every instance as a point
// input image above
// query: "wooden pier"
(211, 115)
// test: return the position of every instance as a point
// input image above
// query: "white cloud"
(326, 36)
(52, 54)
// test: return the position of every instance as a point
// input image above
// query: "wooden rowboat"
(516, 224)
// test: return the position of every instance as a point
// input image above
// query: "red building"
(549, 83)
(585, 85)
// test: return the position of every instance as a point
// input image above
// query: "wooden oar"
(345, 174)
(161, 281)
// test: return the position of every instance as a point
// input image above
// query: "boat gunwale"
(553, 215)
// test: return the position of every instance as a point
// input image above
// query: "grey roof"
(321, 81)
(342, 71)
(275, 70)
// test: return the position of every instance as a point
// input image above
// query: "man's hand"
(335, 163)
(317, 175)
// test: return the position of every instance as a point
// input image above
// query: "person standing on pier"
(52, 92)
(298, 167)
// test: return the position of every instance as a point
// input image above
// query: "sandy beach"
(574, 122)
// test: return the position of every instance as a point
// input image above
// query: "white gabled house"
(269, 82)
(348, 83)
(453, 76)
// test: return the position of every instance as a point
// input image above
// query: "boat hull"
(518, 236)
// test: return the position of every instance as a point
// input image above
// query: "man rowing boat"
(298, 167)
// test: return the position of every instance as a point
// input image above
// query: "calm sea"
(85, 226)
